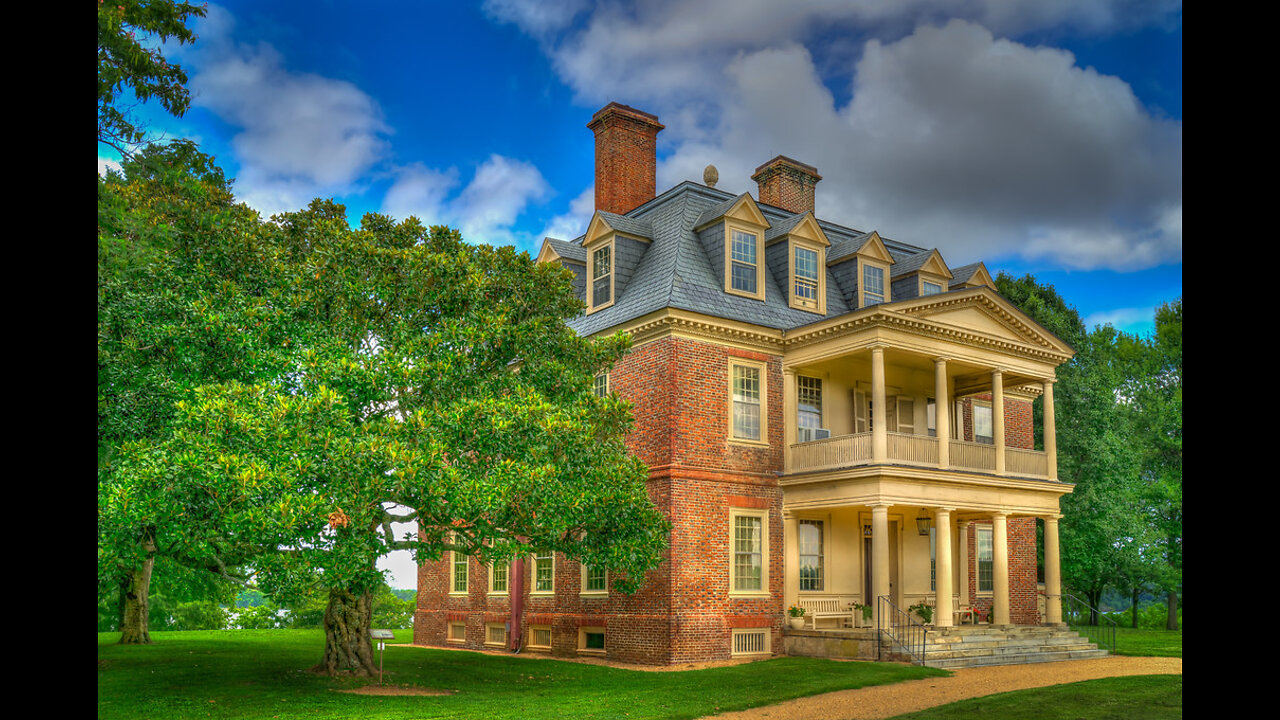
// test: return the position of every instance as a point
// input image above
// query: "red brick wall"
(1019, 428)
(1023, 589)
(680, 394)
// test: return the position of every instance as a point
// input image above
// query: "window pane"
(873, 284)
(459, 572)
(746, 402)
(544, 568)
(743, 266)
(601, 260)
(986, 560)
(811, 560)
(499, 578)
(982, 431)
(809, 408)
(601, 385)
(595, 578)
(747, 553)
(931, 289)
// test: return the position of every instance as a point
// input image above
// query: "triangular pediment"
(974, 276)
(985, 312)
(808, 229)
(935, 266)
(873, 249)
(598, 228)
(547, 253)
(745, 210)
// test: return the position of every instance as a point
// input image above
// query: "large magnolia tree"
(430, 381)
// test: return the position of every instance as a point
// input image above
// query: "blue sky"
(1040, 136)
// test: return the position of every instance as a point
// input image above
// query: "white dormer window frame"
(602, 262)
(805, 292)
(752, 260)
(865, 297)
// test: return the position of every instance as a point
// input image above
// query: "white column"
(1000, 569)
(1050, 431)
(791, 560)
(942, 616)
(879, 416)
(942, 412)
(1052, 572)
(879, 557)
(997, 417)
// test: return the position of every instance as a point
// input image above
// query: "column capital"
(941, 359)
(788, 370)
(1055, 517)
(879, 505)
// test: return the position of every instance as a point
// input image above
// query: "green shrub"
(199, 615)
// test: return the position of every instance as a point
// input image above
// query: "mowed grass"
(1137, 697)
(1149, 643)
(264, 674)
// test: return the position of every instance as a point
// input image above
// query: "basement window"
(540, 637)
(495, 634)
(457, 632)
(751, 642)
(591, 640)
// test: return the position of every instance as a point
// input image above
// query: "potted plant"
(796, 619)
(924, 612)
(865, 611)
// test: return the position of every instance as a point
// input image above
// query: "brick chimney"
(626, 157)
(787, 184)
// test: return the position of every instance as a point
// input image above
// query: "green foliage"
(199, 615)
(1150, 617)
(1107, 531)
(131, 69)
(258, 617)
(923, 611)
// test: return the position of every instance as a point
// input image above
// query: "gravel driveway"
(889, 700)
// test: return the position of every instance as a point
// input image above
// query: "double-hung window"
(544, 573)
(748, 553)
(601, 385)
(594, 579)
(811, 556)
(872, 285)
(498, 577)
(459, 584)
(806, 278)
(744, 262)
(746, 387)
(602, 276)
(986, 559)
(983, 431)
(809, 405)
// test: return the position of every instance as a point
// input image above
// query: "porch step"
(1005, 645)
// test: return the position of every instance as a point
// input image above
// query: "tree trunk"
(1171, 623)
(1095, 599)
(1133, 607)
(134, 593)
(348, 650)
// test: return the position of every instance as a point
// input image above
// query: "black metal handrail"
(900, 629)
(1089, 621)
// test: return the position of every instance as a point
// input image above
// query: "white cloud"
(573, 223)
(1133, 319)
(484, 211)
(953, 137)
(299, 135)
(106, 164)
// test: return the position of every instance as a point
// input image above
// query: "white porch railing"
(919, 450)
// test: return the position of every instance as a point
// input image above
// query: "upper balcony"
(884, 404)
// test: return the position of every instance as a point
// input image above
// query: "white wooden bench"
(839, 608)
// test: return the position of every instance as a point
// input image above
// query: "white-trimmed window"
(751, 641)
(983, 426)
(601, 385)
(805, 278)
(873, 289)
(456, 631)
(498, 578)
(595, 580)
(744, 262)
(748, 417)
(540, 637)
(495, 634)
(591, 640)
(544, 573)
(602, 276)
(749, 551)
(809, 402)
(986, 559)
(812, 562)
(458, 573)
(905, 413)
(928, 287)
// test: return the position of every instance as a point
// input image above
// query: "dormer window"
(930, 288)
(602, 276)
(744, 262)
(872, 285)
(806, 277)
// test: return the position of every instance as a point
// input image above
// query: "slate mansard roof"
(676, 271)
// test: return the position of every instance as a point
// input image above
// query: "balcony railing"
(917, 450)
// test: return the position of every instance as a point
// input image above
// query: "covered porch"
(966, 555)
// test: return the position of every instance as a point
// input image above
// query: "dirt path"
(890, 700)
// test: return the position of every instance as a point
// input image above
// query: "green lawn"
(1138, 697)
(263, 674)
(1149, 643)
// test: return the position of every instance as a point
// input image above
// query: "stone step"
(993, 638)
(1020, 659)
(1010, 651)
(995, 642)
